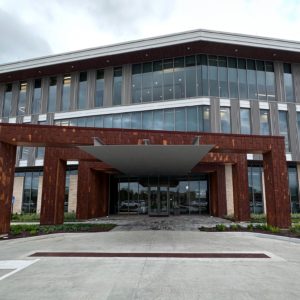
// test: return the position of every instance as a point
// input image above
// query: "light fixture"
(274, 54)
(107, 60)
(72, 67)
(40, 72)
(188, 48)
(9, 77)
(146, 54)
(236, 50)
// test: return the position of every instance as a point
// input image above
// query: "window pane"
(81, 122)
(157, 81)
(270, 81)
(179, 78)
(206, 118)
(264, 122)
(126, 120)
(293, 186)
(22, 98)
(99, 121)
(52, 94)
(99, 88)
(257, 192)
(73, 122)
(225, 120)
(288, 83)
(147, 82)
(190, 76)
(136, 121)
(81, 104)
(245, 121)
(191, 116)
(36, 101)
(40, 152)
(117, 121)
(89, 122)
(202, 75)
(169, 119)
(283, 128)
(158, 120)
(242, 78)
(223, 76)
(108, 121)
(117, 92)
(233, 79)
(168, 79)
(252, 84)
(147, 120)
(65, 122)
(7, 100)
(183, 195)
(66, 93)
(213, 76)
(180, 119)
(261, 80)
(136, 83)
(24, 153)
(194, 195)
(298, 123)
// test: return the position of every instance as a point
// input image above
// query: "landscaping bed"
(33, 217)
(292, 232)
(24, 231)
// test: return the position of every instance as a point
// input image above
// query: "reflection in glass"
(261, 80)
(107, 121)
(242, 75)
(251, 74)
(206, 124)
(168, 79)
(173, 192)
(213, 76)
(204, 197)
(52, 94)
(264, 122)
(298, 125)
(67, 186)
(7, 100)
(65, 105)
(126, 120)
(117, 121)
(169, 119)
(143, 195)
(180, 119)
(147, 120)
(179, 77)
(293, 185)
(22, 98)
(190, 76)
(225, 120)
(99, 121)
(157, 81)
(40, 152)
(163, 197)
(250, 190)
(123, 195)
(223, 76)
(24, 152)
(136, 83)
(117, 90)
(270, 81)
(133, 203)
(194, 196)
(153, 199)
(80, 122)
(136, 121)
(283, 128)
(99, 88)
(147, 82)
(158, 120)
(202, 75)
(36, 101)
(233, 79)
(89, 122)
(245, 121)
(82, 90)
(183, 195)
(288, 83)
(191, 116)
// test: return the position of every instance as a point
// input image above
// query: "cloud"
(19, 41)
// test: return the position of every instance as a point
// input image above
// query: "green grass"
(23, 217)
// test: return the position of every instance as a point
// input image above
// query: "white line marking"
(16, 265)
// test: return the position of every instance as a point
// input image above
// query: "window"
(213, 75)
(7, 100)
(22, 98)
(52, 94)
(157, 81)
(190, 76)
(179, 79)
(298, 125)
(36, 101)
(67, 191)
(81, 104)
(264, 122)
(288, 83)
(293, 186)
(242, 74)
(40, 152)
(202, 75)
(99, 88)
(252, 82)
(191, 117)
(65, 105)
(147, 82)
(168, 79)
(245, 121)
(223, 76)
(233, 79)
(261, 80)
(255, 189)
(283, 128)
(225, 120)
(24, 152)
(117, 91)
(136, 90)
(30, 193)
(270, 81)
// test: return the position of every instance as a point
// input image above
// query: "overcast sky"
(33, 28)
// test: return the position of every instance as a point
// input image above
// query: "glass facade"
(52, 94)
(81, 104)
(99, 88)
(245, 121)
(36, 101)
(117, 89)
(288, 83)
(179, 119)
(66, 94)
(24, 153)
(153, 194)
(283, 129)
(293, 185)
(22, 98)
(264, 122)
(255, 189)
(225, 120)
(7, 100)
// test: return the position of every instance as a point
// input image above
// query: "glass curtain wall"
(65, 103)
(24, 153)
(225, 120)
(283, 128)
(36, 101)
(264, 122)
(190, 76)
(22, 98)
(179, 119)
(202, 75)
(81, 104)
(7, 100)
(99, 88)
(288, 83)
(233, 78)
(245, 121)
(52, 94)
(255, 189)
(298, 126)
(294, 190)
(117, 89)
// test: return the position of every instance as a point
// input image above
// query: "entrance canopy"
(149, 159)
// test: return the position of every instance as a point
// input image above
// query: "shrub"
(32, 232)
(258, 226)
(221, 227)
(17, 232)
(293, 229)
(230, 217)
(265, 227)
(258, 216)
(273, 229)
(234, 227)
(250, 227)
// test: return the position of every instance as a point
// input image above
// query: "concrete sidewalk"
(152, 278)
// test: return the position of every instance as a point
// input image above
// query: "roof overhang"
(149, 159)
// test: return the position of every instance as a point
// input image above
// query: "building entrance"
(158, 200)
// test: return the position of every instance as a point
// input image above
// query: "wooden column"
(7, 173)
(241, 189)
(277, 187)
(53, 194)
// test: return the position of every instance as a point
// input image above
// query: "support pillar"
(7, 173)
(277, 187)
(241, 189)
(53, 194)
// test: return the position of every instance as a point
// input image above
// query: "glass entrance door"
(159, 200)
